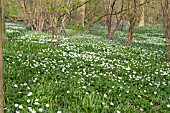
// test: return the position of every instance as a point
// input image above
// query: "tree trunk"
(109, 26)
(107, 4)
(131, 30)
(142, 17)
(132, 13)
(2, 23)
(81, 14)
(1, 77)
(2, 34)
(166, 25)
(168, 50)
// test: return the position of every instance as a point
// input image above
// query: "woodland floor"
(86, 73)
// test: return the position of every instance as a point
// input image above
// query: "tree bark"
(1, 77)
(108, 9)
(2, 34)
(2, 23)
(168, 50)
(166, 24)
(81, 14)
(131, 30)
(132, 13)
(142, 17)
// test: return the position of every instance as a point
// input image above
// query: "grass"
(85, 74)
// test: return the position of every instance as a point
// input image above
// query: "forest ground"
(86, 73)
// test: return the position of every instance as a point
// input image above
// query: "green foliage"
(51, 8)
(76, 3)
(86, 73)
(64, 8)
(11, 8)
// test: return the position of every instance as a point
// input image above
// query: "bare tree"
(119, 17)
(109, 8)
(132, 15)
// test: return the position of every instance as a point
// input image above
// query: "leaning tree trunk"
(2, 34)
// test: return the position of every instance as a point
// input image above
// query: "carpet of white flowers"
(85, 74)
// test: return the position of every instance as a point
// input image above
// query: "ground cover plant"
(86, 73)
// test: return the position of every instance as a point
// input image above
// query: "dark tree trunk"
(166, 25)
(132, 13)
(109, 23)
(131, 30)
(2, 35)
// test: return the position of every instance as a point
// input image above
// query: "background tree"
(119, 15)
(2, 34)
(2, 23)
(132, 15)
(165, 4)
(142, 16)
(81, 14)
(45, 15)
(109, 7)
